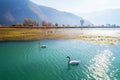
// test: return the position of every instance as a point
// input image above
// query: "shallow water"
(26, 60)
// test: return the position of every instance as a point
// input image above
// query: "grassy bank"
(94, 36)
(7, 34)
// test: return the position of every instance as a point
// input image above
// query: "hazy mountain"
(110, 16)
(14, 11)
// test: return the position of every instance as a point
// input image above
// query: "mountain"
(109, 16)
(14, 11)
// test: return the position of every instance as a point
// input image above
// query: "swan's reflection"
(68, 66)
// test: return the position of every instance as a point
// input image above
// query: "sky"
(80, 6)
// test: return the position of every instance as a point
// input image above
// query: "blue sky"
(80, 6)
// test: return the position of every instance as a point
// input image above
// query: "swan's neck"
(68, 59)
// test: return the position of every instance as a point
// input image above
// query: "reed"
(94, 36)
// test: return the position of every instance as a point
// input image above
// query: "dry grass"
(94, 36)
(20, 34)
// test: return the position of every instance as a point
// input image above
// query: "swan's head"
(68, 57)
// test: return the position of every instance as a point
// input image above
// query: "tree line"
(31, 22)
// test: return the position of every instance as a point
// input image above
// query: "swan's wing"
(74, 62)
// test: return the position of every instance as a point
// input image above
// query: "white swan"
(73, 62)
(43, 46)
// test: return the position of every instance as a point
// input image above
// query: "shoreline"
(28, 34)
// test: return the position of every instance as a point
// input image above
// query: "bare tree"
(49, 24)
(35, 23)
(82, 22)
(44, 23)
(56, 24)
(63, 25)
(28, 22)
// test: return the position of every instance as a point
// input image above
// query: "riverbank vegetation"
(94, 36)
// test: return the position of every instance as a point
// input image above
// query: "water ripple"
(100, 67)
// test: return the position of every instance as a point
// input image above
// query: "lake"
(26, 60)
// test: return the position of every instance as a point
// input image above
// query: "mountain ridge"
(15, 11)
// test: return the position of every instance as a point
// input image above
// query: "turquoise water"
(26, 60)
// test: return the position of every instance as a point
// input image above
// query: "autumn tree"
(28, 22)
(44, 23)
(35, 23)
(49, 24)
